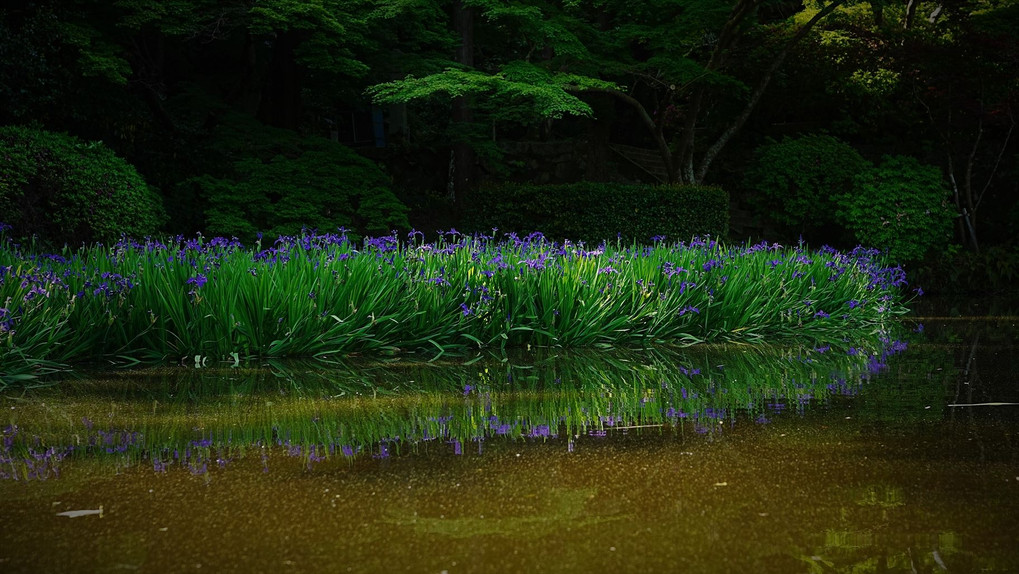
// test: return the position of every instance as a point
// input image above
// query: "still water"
(864, 458)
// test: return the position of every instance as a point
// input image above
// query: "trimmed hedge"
(593, 212)
(63, 190)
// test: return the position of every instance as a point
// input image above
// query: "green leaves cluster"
(815, 181)
(542, 53)
(799, 179)
(901, 205)
(66, 191)
(280, 182)
(520, 83)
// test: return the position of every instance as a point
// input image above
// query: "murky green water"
(707, 460)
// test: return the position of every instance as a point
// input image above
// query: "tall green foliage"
(281, 182)
(64, 190)
(666, 61)
(321, 296)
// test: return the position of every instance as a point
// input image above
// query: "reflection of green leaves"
(882, 495)
(854, 552)
(817, 564)
(362, 405)
(847, 539)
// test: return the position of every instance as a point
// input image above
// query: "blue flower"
(712, 264)
(198, 281)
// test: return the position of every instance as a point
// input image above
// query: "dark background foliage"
(62, 190)
(238, 118)
(593, 212)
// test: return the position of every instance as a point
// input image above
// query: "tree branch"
(997, 160)
(762, 85)
(726, 39)
(647, 121)
(967, 181)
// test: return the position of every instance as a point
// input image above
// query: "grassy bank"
(322, 295)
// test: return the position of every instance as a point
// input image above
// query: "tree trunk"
(907, 18)
(648, 122)
(246, 86)
(877, 9)
(966, 228)
(726, 40)
(463, 157)
(681, 165)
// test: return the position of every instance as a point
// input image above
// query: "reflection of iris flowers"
(557, 400)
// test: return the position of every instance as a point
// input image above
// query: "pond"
(879, 457)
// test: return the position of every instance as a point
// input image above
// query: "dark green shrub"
(993, 272)
(817, 181)
(797, 181)
(279, 182)
(592, 212)
(66, 191)
(901, 206)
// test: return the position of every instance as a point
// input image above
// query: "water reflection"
(733, 459)
(203, 418)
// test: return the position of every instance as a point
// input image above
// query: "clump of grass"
(320, 295)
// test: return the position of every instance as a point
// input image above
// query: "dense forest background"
(889, 123)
